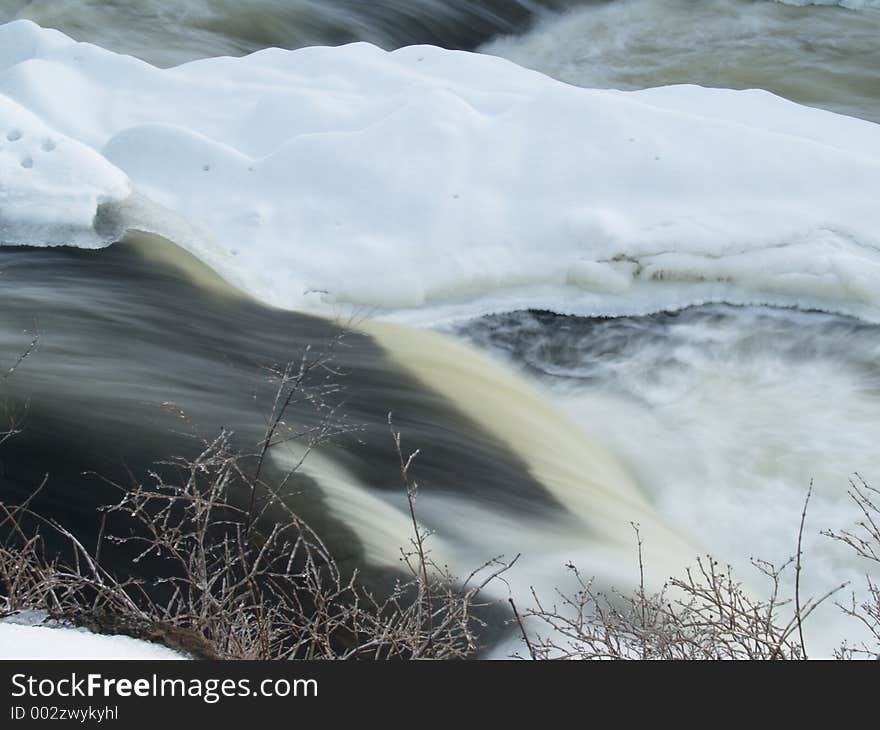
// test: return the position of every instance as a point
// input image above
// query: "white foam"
(600, 498)
(725, 417)
(826, 57)
(848, 4)
(384, 531)
(425, 182)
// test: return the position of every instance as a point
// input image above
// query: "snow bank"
(50, 185)
(39, 642)
(425, 183)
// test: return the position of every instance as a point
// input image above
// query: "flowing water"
(168, 32)
(717, 417)
(725, 415)
(823, 55)
(122, 379)
(819, 53)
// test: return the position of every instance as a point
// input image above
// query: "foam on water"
(588, 481)
(168, 32)
(848, 4)
(823, 56)
(725, 416)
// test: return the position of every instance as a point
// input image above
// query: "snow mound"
(50, 185)
(425, 183)
(40, 642)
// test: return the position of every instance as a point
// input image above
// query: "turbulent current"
(823, 56)
(726, 415)
(166, 32)
(822, 53)
(170, 233)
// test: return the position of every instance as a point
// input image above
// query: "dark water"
(167, 32)
(823, 55)
(124, 334)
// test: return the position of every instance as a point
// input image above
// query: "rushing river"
(709, 423)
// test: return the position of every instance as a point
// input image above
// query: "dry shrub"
(251, 580)
(242, 579)
(706, 614)
(237, 588)
(865, 541)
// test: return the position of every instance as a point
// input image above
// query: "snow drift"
(425, 183)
